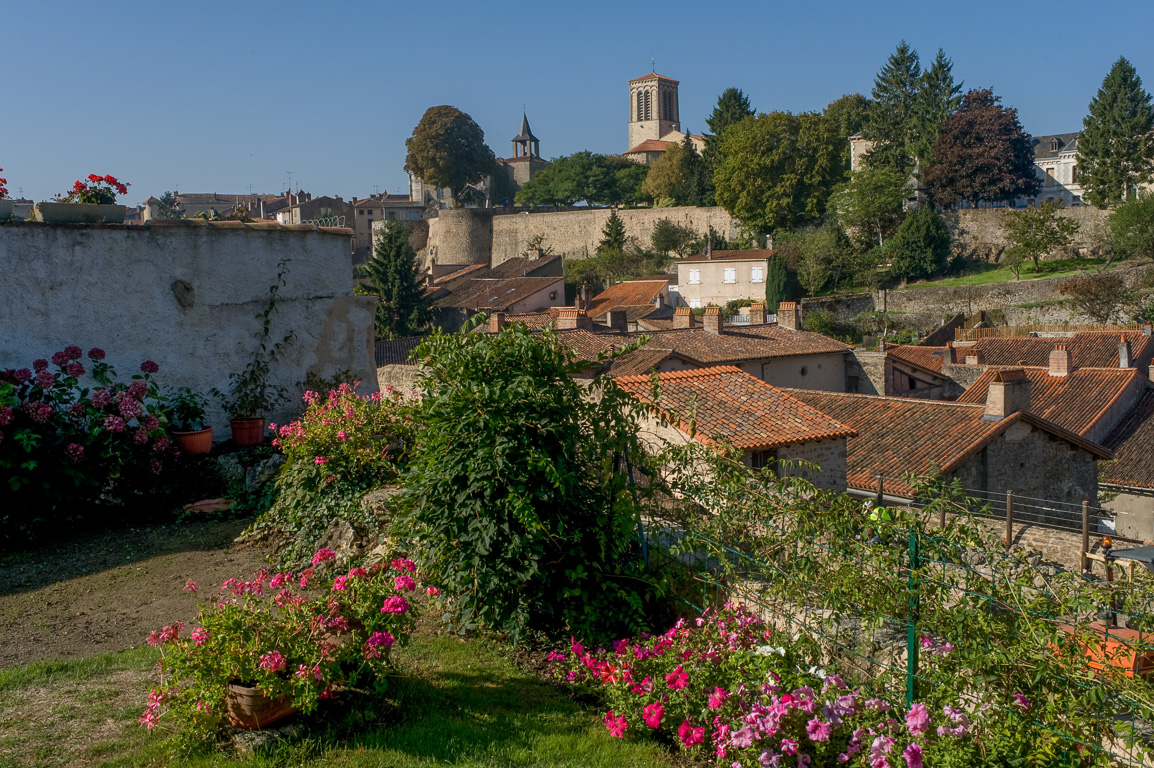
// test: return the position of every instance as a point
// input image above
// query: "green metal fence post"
(912, 624)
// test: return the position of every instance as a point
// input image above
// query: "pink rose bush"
(727, 690)
(268, 633)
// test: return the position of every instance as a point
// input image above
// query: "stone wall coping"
(193, 223)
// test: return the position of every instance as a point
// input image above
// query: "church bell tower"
(653, 110)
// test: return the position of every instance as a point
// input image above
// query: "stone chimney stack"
(789, 315)
(1059, 360)
(570, 318)
(496, 322)
(617, 320)
(659, 301)
(757, 314)
(583, 297)
(1125, 360)
(534, 254)
(1008, 393)
(713, 320)
(683, 317)
(974, 357)
(949, 355)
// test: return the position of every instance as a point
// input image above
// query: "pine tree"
(938, 97)
(732, 107)
(892, 120)
(776, 284)
(612, 234)
(1115, 150)
(694, 177)
(403, 309)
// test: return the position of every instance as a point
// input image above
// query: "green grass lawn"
(452, 703)
(986, 274)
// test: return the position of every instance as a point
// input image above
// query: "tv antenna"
(290, 175)
(376, 189)
(250, 190)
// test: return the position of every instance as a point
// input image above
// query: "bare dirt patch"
(104, 593)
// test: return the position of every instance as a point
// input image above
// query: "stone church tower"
(653, 110)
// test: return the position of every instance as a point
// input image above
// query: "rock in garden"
(342, 539)
(248, 743)
(380, 501)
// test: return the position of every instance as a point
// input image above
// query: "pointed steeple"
(525, 144)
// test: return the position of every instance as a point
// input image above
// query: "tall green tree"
(669, 236)
(937, 98)
(776, 284)
(893, 119)
(871, 201)
(403, 309)
(1132, 227)
(778, 169)
(447, 149)
(921, 246)
(1115, 148)
(612, 234)
(1034, 232)
(732, 107)
(695, 182)
(982, 153)
(847, 114)
(666, 175)
(168, 207)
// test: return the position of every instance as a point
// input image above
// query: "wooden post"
(1085, 536)
(879, 495)
(1009, 518)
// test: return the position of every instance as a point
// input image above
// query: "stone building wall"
(402, 378)
(185, 294)
(828, 455)
(978, 233)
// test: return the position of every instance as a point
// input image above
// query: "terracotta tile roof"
(898, 435)
(929, 358)
(499, 294)
(739, 343)
(588, 345)
(1088, 349)
(653, 75)
(627, 293)
(535, 320)
(651, 145)
(646, 360)
(748, 254)
(655, 323)
(1075, 401)
(1132, 442)
(397, 351)
(522, 266)
(726, 404)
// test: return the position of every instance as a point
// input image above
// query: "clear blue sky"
(216, 96)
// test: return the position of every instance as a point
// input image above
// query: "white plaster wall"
(111, 287)
(822, 372)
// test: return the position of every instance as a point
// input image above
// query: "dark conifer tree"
(1115, 149)
(404, 309)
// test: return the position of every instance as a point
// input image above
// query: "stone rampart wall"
(978, 233)
(185, 295)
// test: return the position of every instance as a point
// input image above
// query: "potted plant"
(250, 396)
(5, 203)
(260, 650)
(91, 202)
(186, 415)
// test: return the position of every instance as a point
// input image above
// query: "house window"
(763, 460)
(1076, 200)
(695, 303)
(1073, 174)
(695, 277)
(1050, 177)
(392, 214)
(758, 275)
(731, 274)
(851, 384)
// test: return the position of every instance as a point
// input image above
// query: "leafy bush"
(518, 505)
(284, 643)
(921, 246)
(1131, 227)
(64, 445)
(342, 446)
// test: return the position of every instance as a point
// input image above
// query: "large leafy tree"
(447, 149)
(732, 107)
(1033, 232)
(937, 98)
(519, 502)
(847, 114)
(1132, 227)
(403, 309)
(666, 175)
(778, 169)
(671, 236)
(921, 246)
(893, 118)
(982, 153)
(1115, 148)
(596, 179)
(871, 201)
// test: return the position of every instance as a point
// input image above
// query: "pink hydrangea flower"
(74, 369)
(114, 424)
(652, 714)
(149, 367)
(137, 389)
(5, 416)
(39, 364)
(101, 398)
(96, 353)
(75, 453)
(22, 375)
(45, 380)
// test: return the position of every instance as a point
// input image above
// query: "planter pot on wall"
(197, 443)
(80, 213)
(247, 432)
(249, 708)
(5, 209)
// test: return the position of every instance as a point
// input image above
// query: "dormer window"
(1055, 145)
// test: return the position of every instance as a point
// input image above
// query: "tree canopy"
(732, 107)
(938, 97)
(447, 149)
(1115, 149)
(403, 309)
(168, 207)
(981, 153)
(1132, 227)
(871, 201)
(921, 246)
(596, 179)
(1034, 232)
(666, 174)
(847, 114)
(671, 236)
(778, 169)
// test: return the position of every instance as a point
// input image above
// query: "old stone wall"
(828, 455)
(871, 370)
(978, 233)
(460, 236)
(402, 378)
(185, 294)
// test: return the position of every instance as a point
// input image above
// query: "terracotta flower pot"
(196, 443)
(80, 213)
(247, 432)
(249, 708)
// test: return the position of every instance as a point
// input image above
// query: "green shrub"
(921, 246)
(518, 505)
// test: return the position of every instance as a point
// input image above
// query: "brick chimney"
(616, 320)
(659, 301)
(1059, 360)
(583, 297)
(949, 355)
(569, 318)
(713, 321)
(1008, 393)
(757, 314)
(974, 357)
(496, 322)
(1125, 359)
(534, 254)
(789, 315)
(683, 317)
